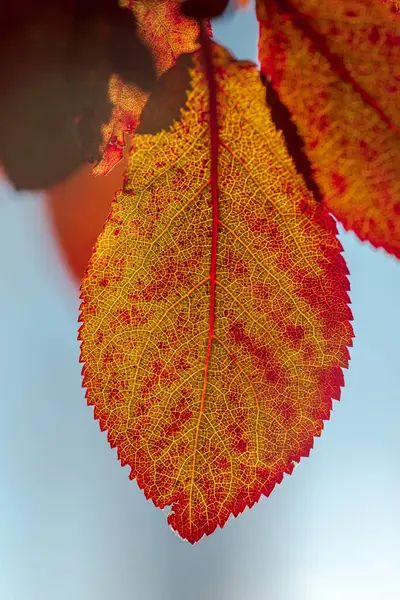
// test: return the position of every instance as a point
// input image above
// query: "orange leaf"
(168, 34)
(214, 336)
(78, 207)
(336, 66)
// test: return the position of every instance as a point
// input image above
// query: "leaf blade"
(211, 444)
(337, 69)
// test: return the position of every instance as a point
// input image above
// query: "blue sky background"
(72, 525)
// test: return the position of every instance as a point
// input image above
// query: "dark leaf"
(57, 60)
(204, 9)
(167, 99)
(130, 57)
(39, 143)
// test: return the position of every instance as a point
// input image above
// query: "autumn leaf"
(214, 333)
(336, 67)
(169, 34)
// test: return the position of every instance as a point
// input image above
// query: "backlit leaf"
(169, 34)
(336, 66)
(214, 342)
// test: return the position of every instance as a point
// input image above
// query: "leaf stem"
(214, 147)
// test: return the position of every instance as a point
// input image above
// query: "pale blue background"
(72, 525)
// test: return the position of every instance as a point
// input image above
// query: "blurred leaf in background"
(59, 58)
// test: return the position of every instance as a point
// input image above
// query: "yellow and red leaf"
(336, 67)
(169, 34)
(215, 308)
